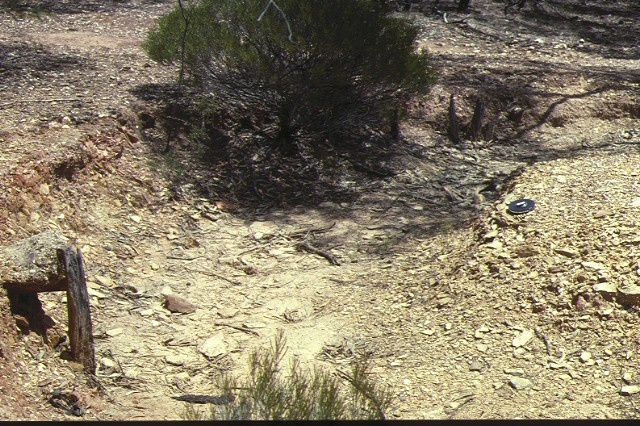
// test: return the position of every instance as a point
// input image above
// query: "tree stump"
(476, 121)
(46, 262)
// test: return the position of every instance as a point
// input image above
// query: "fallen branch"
(307, 247)
(544, 339)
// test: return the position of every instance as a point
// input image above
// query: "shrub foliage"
(300, 70)
(268, 393)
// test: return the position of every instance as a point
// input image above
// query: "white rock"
(262, 229)
(495, 244)
(214, 346)
(174, 359)
(482, 347)
(605, 288)
(105, 281)
(522, 338)
(630, 390)
(107, 363)
(95, 293)
(519, 383)
(227, 312)
(593, 266)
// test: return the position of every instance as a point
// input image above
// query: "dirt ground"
(466, 311)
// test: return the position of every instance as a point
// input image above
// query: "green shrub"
(308, 70)
(267, 394)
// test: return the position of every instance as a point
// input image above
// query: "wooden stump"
(476, 121)
(80, 327)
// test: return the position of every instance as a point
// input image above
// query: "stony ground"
(465, 310)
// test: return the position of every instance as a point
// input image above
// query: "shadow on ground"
(420, 189)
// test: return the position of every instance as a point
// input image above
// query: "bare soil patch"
(465, 310)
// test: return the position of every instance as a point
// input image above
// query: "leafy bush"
(267, 394)
(307, 70)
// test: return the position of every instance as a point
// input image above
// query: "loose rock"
(177, 304)
(476, 365)
(522, 338)
(630, 390)
(519, 383)
(568, 252)
(214, 346)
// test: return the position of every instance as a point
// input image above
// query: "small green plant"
(268, 394)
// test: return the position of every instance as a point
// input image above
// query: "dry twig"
(307, 247)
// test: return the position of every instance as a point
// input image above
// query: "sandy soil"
(465, 310)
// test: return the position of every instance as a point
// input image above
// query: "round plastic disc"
(522, 206)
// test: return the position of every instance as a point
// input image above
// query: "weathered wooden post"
(80, 327)
(47, 262)
(476, 121)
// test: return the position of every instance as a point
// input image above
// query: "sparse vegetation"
(268, 394)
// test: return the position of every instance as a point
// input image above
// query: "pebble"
(593, 266)
(174, 359)
(214, 346)
(227, 312)
(568, 252)
(177, 304)
(601, 213)
(630, 390)
(522, 338)
(627, 377)
(605, 287)
(479, 334)
(495, 244)
(114, 332)
(585, 356)
(44, 189)
(95, 293)
(519, 383)
(105, 281)
(476, 365)
(444, 301)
